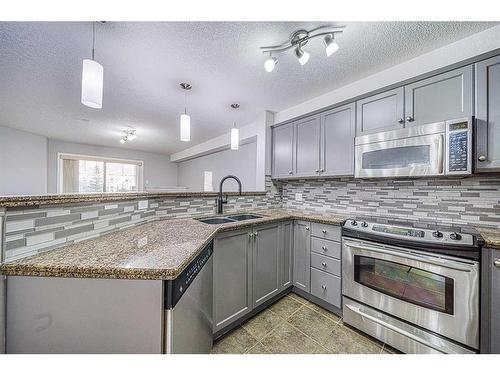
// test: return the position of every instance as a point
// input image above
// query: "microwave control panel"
(459, 146)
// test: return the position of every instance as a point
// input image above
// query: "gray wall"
(23, 162)
(241, 163)
(158, 170)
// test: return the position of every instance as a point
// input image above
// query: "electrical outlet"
(299, 197)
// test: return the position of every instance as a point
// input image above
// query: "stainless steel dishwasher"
(188, 304)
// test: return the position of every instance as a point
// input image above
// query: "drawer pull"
(324, 231)
(496, 263)
(324, 248)
(323, 287)
(307, 228)
(323, 264)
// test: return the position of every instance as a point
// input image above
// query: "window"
(89, 174)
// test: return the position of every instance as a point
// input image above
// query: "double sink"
(228, 219)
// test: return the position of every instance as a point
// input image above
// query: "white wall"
(23, 162)
(472, 46)
(158, 170)
(241, 163)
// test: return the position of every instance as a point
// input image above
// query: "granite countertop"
(491, 237)
(159, 250)
(53, 199)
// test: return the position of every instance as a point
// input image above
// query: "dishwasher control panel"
(174, 289)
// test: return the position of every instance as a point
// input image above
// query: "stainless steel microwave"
(441, 148)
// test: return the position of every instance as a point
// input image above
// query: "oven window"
(397, 157)
(407, 283)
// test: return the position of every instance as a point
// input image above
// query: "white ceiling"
(40, 73)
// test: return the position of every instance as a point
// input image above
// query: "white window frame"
(64, 155)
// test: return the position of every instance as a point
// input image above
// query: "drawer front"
(327, 264)
(325, 247)
(326, 286)
(329, 232)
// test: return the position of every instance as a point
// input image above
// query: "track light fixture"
(298, 40)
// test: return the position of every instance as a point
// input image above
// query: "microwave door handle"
(446, 264)
(389, 326)
(440, 152)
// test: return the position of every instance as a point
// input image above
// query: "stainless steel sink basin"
(216, 220)
(243, 217)
(228, 219)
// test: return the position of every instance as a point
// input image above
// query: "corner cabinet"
(488, 115)
(286, 248)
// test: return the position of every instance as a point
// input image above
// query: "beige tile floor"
(294, 325)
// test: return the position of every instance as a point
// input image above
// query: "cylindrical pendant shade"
(185, 128)
(92, 81)
(235, 138)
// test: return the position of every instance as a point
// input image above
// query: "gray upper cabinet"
(495, 302)
(302, 255)
(286, 246)
(307, 134)
(266, 262)
(232, 277)
(443, 97)
(488, 115)
(282, 163)
(337, 146)
(380, 112)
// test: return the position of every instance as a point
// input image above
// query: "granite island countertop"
(158, 250)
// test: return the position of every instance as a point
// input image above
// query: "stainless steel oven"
(441, 148)
(417, 301)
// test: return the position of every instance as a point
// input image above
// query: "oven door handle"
(448, 264)
(402, 332)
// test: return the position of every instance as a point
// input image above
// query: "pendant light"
(92, 79)
(185, 119)
(235, 132)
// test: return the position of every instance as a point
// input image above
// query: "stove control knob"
(354, 223)
(364, 224)
(437, 234)
(455, 236)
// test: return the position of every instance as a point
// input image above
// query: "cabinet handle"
(401, 120)
(307, 228)
(496, 263)
(316, 170)
(256, 234)
(481, 158)
(323, 287)
(324, 231)
(250, 235)
(323, 264)
(409, 119)
(324, 248)
(290, 172)
(321, 170)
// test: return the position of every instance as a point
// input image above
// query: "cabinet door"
(338, 130)
(488, 115)
(301, 255)
(266, 263)
(282, 151)
(384, 111)
(286, 254)
(443, 97)
(232, 277)
(307, 138)
(495, 302)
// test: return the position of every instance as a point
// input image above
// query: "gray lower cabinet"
(495, 302)
(232, 277)
(443, 97)
(286, 248)
(380, 112)
(337, 144)
(266, 262)
(282, 150)
(488, 115)
(307, 139)
(302, 255)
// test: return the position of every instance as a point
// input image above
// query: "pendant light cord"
(93, 39)
(185, 102)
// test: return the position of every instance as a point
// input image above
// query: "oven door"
(439, 293)
(412, 156)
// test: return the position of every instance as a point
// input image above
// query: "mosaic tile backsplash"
(471, 200)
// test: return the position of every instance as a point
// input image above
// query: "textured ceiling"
(40, 73)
